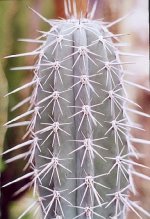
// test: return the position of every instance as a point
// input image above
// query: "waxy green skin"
(92, 166)
(81, 150)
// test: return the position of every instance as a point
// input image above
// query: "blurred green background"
(18, 21)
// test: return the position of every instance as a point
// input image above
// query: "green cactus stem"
(80, 128)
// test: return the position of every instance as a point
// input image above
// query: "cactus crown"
(79, 134)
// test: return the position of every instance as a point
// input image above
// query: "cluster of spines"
(122, 161)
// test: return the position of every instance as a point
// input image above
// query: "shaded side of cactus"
(80, 129)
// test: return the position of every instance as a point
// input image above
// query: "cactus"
(79, 134)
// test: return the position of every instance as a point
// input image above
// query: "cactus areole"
(80, 129)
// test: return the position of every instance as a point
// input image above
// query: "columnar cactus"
(81, 146)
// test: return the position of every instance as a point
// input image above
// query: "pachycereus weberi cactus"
(79, 133)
